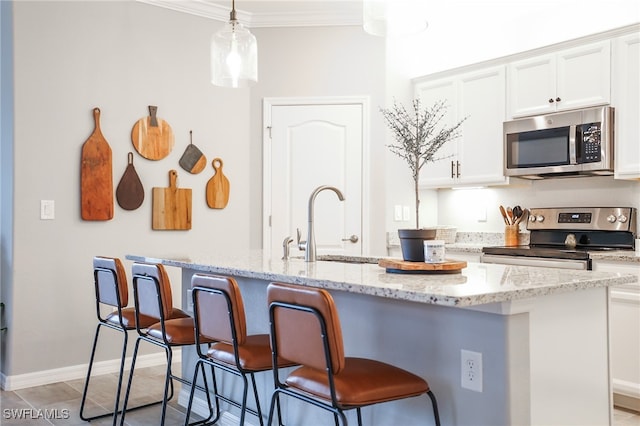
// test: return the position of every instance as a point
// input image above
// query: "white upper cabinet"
(475, 158)
(440, 173)
(626, 100)
(569, 79)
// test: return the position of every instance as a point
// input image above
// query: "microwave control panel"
(590, 135)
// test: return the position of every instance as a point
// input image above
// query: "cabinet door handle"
(458, 169)
(550, 100)
(558, 99)
(453, 172)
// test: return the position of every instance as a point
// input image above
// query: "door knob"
(353, 239)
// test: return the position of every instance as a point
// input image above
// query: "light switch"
(47, 209)
(406, 214)
(397, 212)
(481, 213)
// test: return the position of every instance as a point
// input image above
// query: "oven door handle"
(536, 261)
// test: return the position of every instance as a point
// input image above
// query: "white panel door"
(311, 145)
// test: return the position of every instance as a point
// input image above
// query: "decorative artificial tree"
(418, 135)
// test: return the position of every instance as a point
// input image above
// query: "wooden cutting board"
(96, 176)
(152, 137)
(218, 187)
(171, 206)
(402, 266)
(192, 160)
(130, 192)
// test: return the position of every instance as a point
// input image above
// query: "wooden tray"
(397, 266)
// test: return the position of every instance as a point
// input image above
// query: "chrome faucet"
(285, 247)
(309, 246)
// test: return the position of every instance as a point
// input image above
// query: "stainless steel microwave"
(564, 144)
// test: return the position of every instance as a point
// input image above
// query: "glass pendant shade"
(393, 17)
(234, 56)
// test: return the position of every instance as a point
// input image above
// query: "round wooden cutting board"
(152, 137)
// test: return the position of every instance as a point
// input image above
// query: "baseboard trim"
(45, 377)
(627, 402)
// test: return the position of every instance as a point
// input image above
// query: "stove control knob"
(532, 218)
(540, 218)
(622, 218)
(611, 218)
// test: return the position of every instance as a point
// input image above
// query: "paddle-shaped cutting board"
(218, 187)
(130, 192)
(96, 176)
(192, 160)
(152, 137)
(171, 206)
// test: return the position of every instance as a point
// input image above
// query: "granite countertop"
(477, 284)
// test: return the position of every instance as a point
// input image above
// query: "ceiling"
(272, 13)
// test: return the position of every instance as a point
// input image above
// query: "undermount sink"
(347, 259)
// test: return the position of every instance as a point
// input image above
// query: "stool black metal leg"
(126, 394)
(255, 394)
(86, 382)
(436, 415)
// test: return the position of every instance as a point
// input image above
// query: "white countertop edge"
(430, 294)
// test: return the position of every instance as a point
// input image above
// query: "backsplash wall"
(464, 207)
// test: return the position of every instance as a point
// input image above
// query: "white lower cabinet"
(625, 335)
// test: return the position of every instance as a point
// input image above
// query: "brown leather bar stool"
(220, 316)
(111, 290)
(153, 298)
(305, 329)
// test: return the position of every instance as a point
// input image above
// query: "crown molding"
(309, 18)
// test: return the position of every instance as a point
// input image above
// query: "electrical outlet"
(471, 370)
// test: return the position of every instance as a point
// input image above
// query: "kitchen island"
(542, 334)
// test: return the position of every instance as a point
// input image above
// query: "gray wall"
(123, 56)
(320, 61)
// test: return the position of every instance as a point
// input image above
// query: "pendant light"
(393, 17)
(234, 55)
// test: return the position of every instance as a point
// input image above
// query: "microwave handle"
(572, 145)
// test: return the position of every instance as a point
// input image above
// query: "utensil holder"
(511, 237)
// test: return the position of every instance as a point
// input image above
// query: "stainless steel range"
(563, 237)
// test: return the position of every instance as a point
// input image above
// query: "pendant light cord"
(233, 10)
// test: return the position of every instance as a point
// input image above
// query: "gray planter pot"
(412, 243)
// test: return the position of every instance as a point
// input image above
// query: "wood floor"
(59, 403)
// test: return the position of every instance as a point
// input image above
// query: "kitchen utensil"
(96, 176)
(517, 214)
(403, 266)
(152, 137)
(522, 216)
(504, 216)
(218, 187)
(171, 206)
(510, 215)
(192, 160)
(130, 192)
